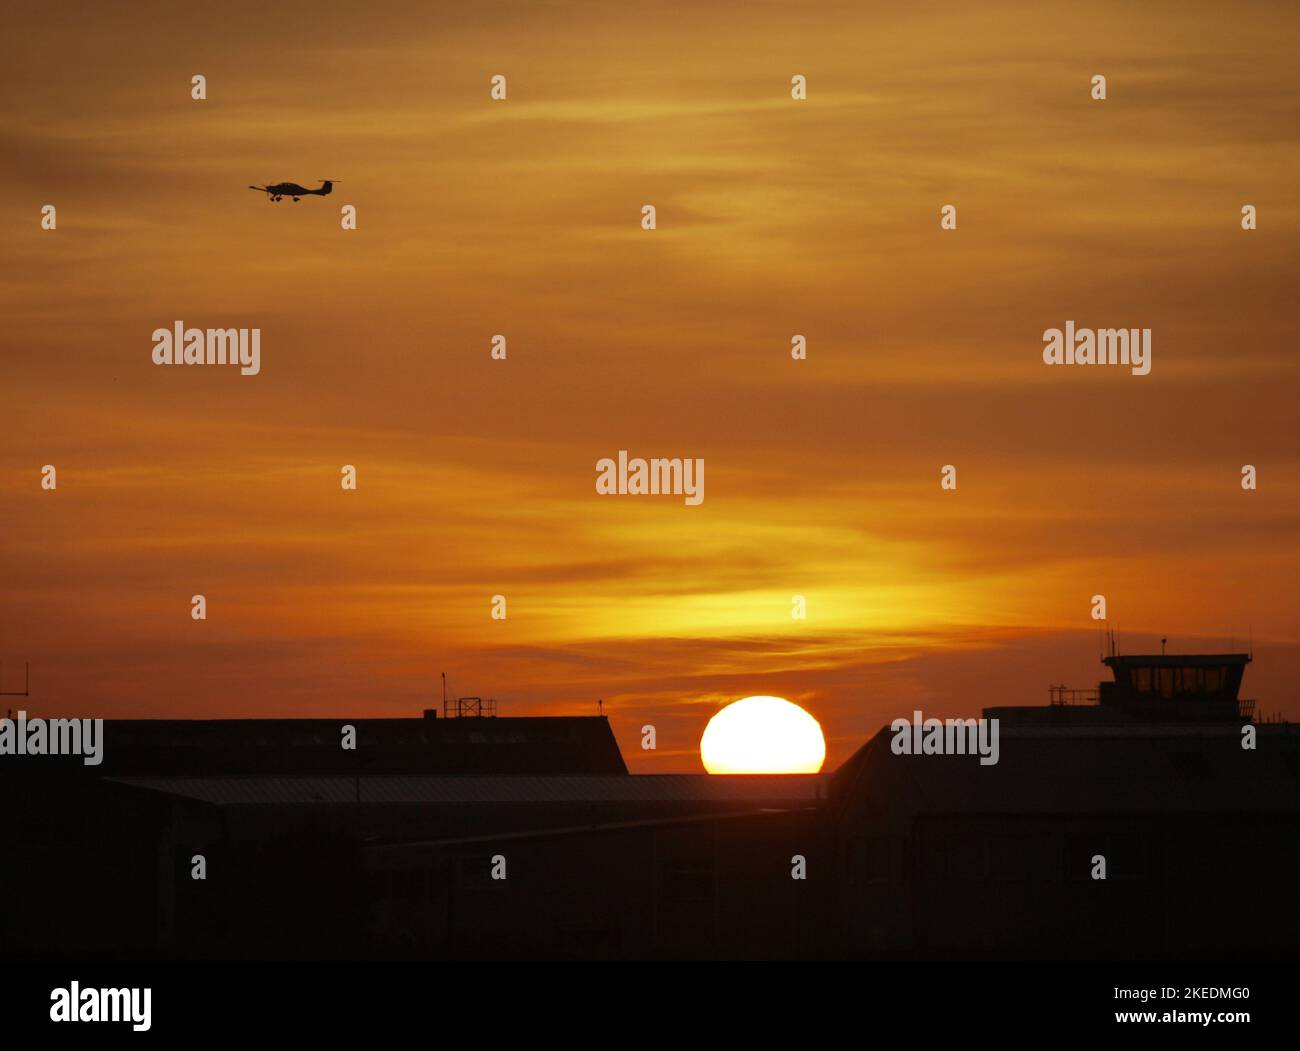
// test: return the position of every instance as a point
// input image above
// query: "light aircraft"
(292, 189)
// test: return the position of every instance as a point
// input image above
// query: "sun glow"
(762, 735)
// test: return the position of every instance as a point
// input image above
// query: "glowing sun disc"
(763, 735)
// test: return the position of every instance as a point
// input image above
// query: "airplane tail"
(327, 185)
(262, 188)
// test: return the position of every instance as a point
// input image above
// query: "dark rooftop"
(541, 745)
(638, 788)
(1104, 770)
(1178, 660)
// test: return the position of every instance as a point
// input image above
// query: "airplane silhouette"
(292, 189)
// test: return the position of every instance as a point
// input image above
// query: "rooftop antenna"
(1162, 646)
(600, 705)
(27, 684)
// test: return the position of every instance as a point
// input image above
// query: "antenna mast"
(27, 684)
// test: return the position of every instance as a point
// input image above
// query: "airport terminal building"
(495, 837)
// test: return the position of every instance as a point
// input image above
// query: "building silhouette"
(485, 837)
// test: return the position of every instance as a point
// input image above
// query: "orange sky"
(775, 217)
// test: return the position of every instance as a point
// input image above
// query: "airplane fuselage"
(275, 191)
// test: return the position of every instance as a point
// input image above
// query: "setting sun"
(762, 735)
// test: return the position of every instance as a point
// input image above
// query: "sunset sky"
(522, 217)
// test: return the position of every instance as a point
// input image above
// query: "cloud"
(776, 218)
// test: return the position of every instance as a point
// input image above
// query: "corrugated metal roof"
(642, 788)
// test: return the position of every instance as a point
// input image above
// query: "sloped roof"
(1167, 770)
(632, 788)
